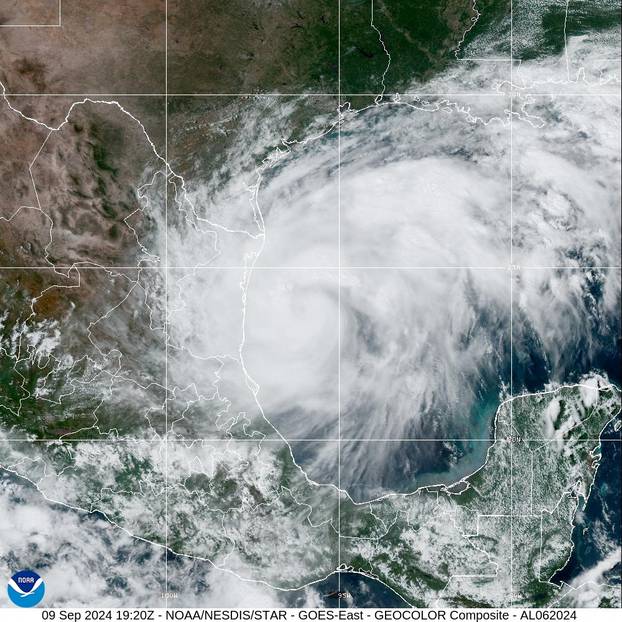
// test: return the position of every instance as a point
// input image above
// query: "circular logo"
(26, 588)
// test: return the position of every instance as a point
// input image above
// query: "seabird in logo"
(26, 588)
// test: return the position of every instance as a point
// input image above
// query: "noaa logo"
(26, 588)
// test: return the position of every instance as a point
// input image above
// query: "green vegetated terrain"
(60, 360)
(360, 46)
(82, 353)
(500, 533)
(421, 38)
(246, 47)
(506, 529)
(293, 46)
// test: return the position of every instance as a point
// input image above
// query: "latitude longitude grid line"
(488, 440)
(511, 403)
(339, 298)
(166, 322)
(137, 440)
(386, 97)
(511, 332)
(513, 268)
(166, 269)
(58, 24)
(162, 268)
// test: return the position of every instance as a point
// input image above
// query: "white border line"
(59, 23)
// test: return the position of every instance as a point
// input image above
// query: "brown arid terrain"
(249, 46)
(81, 188)
(77, 186)
(103, 46)
(32, 12)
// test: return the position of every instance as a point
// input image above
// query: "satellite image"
(310, 303)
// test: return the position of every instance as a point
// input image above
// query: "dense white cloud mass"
(462, 237)
(292, 349)
(86, 562)
(428, 233)
(83, 560)
(427, 185)
(567, 182)
(409, 359)
(434, 201)
(406, 356)
(591, 587)
(306, 181)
